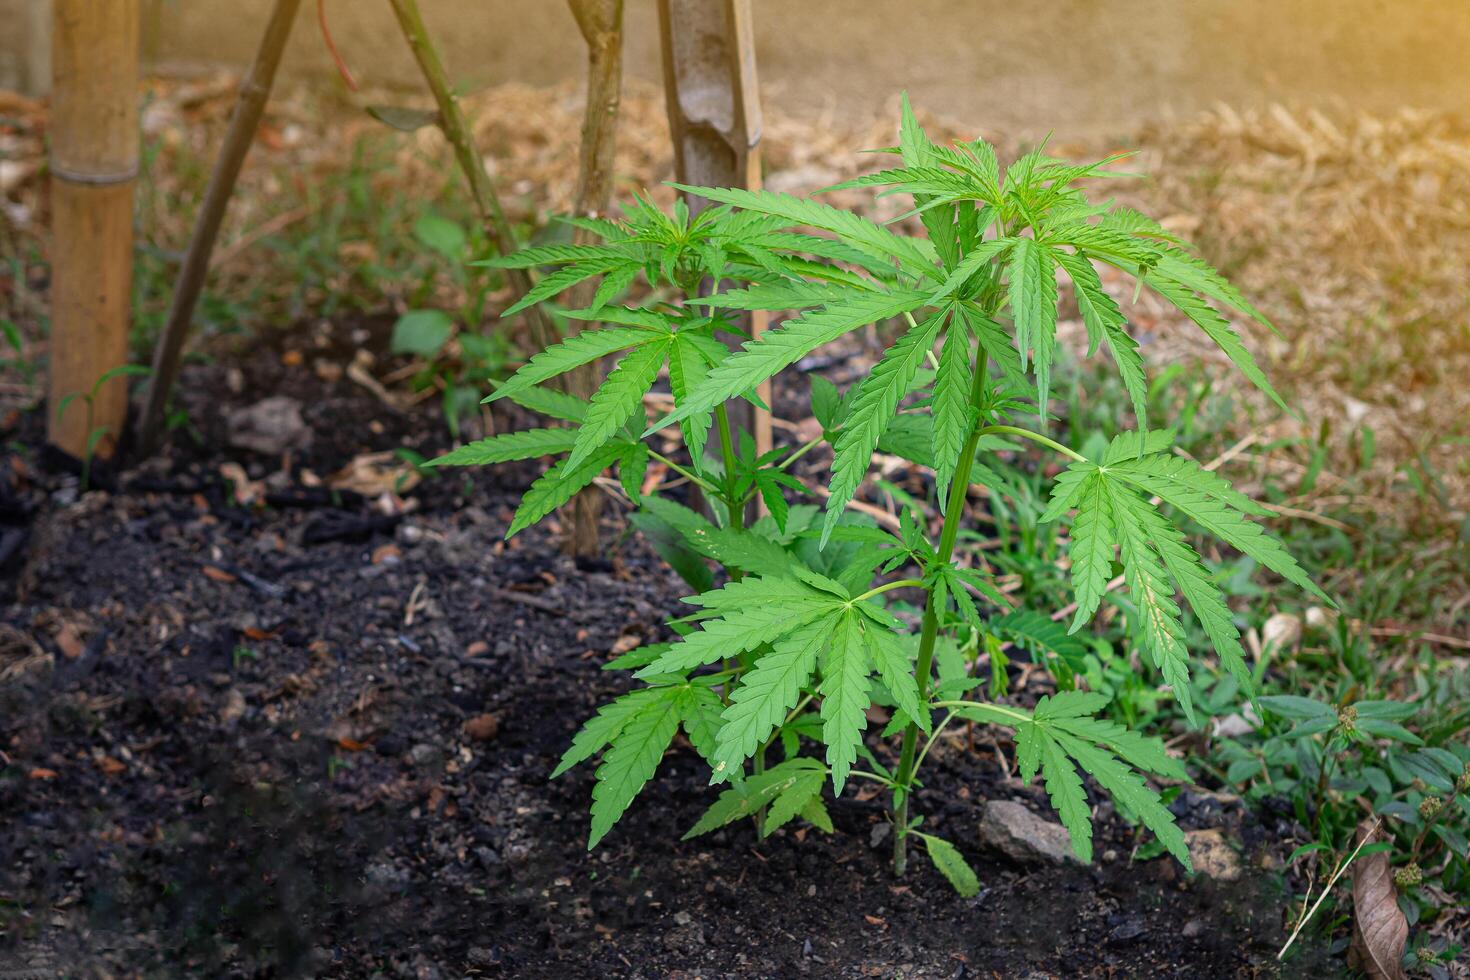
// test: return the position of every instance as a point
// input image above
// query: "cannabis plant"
(797, 632)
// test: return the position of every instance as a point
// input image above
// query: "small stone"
(1236, 725)
(409, 534)
(480, 956)
(1024, 837)
(234, 708)
(878, 834)
(1282, 632)
(1212, 855)
(388, 876)
(270, 426)
(684, 939)
(1126, 928)
(482, 728)
(1319, 618)
(1193, 928)
(423, 755)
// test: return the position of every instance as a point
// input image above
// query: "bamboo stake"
(94, 164)
(715, 118)
(452, 123)
(601, 24)
(255, 90)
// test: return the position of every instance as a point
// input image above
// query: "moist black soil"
(312, 739)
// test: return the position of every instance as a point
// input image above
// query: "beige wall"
(1072, 65)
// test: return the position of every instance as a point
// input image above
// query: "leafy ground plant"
(803, 636)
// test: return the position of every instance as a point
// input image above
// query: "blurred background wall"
(1073, 65)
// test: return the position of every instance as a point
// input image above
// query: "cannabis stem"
(1037, 437)
(687, 474)
(886, 586)
(953, 514)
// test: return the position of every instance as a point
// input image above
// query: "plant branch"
(457, 132)
(687, 474)
(1037, 437)
(903, 583)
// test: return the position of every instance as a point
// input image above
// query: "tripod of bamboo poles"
(707, 47)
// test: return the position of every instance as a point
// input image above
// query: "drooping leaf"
(872, 411)
(844, 691)
(618, 398)
(760, 703)
(629, 763)
(951, 409)
(560, 484)
(952, 864)
(1033, 298)
(509, 446)
(784, 345)
(584, 348)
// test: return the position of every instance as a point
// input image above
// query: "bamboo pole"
(255, 91)
(94, 164)
(714, 111)
(452, 123)
(601, 24)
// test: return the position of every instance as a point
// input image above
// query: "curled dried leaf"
(1380, 930)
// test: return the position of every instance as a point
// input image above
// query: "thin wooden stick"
(452, 124)
(601, 24)
(715, 119)
(255, 91)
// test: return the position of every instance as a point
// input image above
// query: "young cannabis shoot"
(802, 638)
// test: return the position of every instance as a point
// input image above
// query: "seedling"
(801, 639)
(89, 398)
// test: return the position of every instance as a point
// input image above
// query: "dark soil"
(309, 739)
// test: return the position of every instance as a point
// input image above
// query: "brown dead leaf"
(1380, 930)
(217, 574)
(384, 552)
(374, 474)
(245, 490)
(626, 643)
(43, 774)
(350, 744)
(110, 766)
(258, 634)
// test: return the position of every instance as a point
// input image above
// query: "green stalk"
(902, 583)
(953, 514)
(735, 507)
(1037, 437)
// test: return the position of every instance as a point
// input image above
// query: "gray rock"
(1023, 836)
(270, 426)
(387, 876)
(423, 755)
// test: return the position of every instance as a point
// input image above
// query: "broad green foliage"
(800, 642)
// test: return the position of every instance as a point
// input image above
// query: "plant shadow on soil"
(316, 805)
